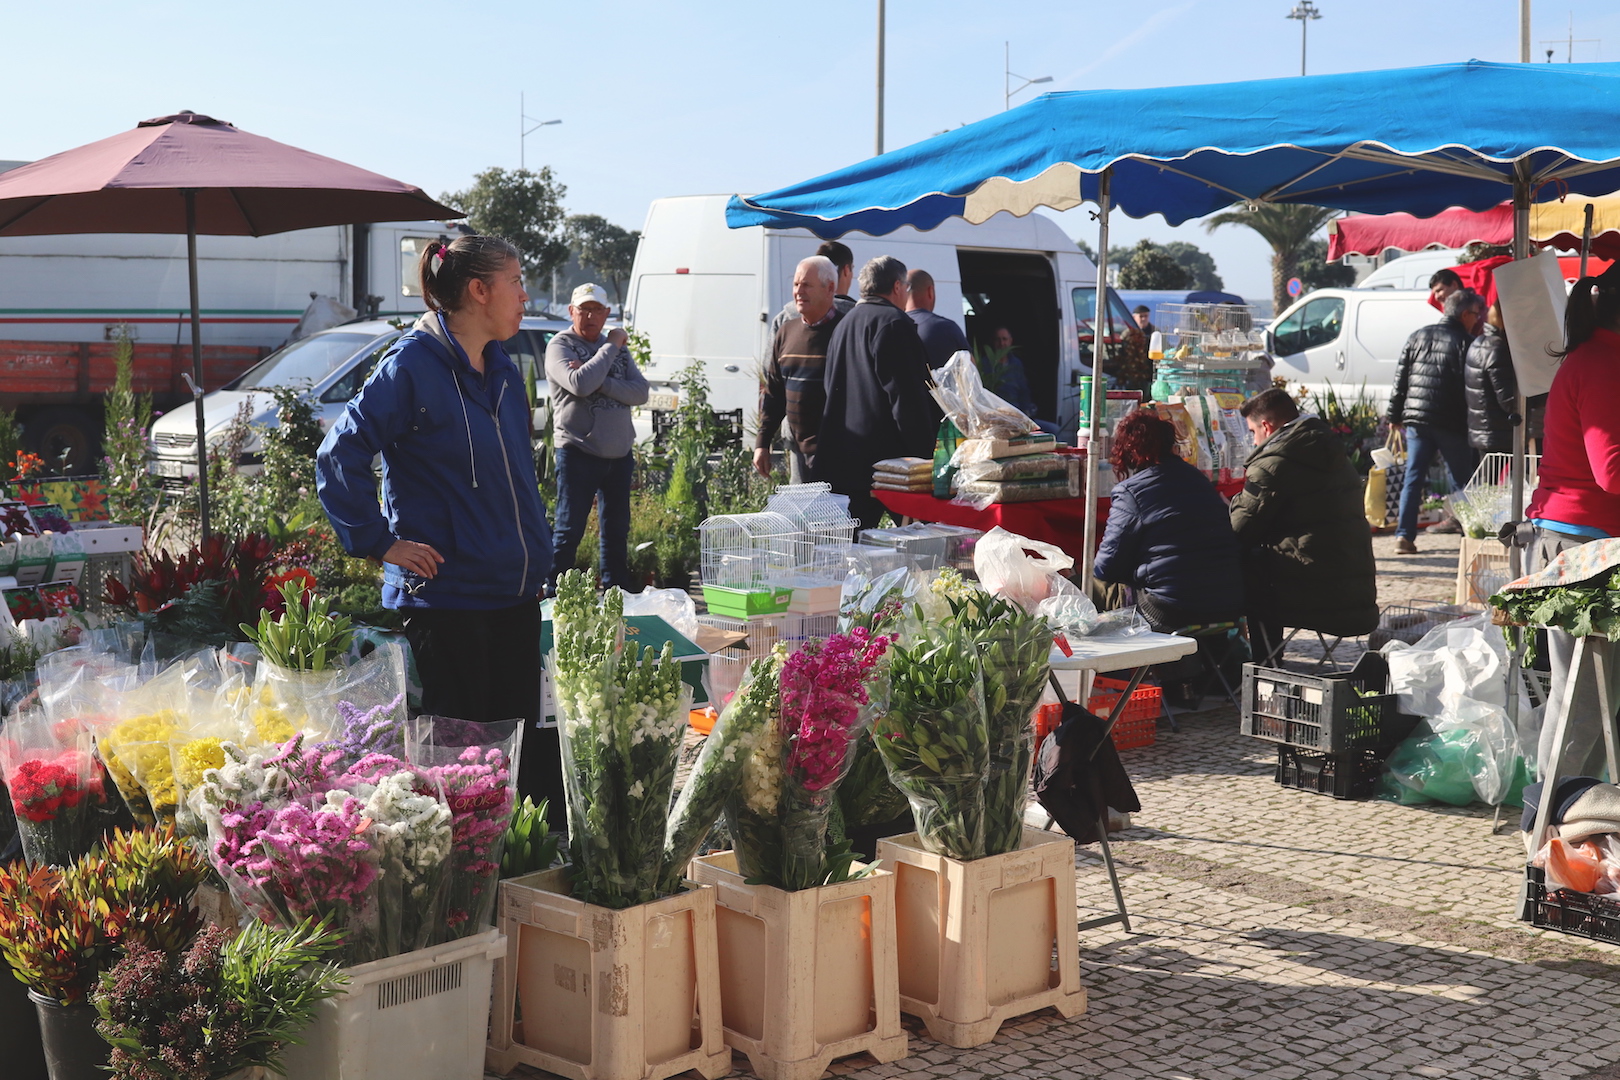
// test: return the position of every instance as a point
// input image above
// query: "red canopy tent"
(1555, 225)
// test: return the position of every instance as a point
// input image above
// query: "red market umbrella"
(192, 174)
(1558, 225)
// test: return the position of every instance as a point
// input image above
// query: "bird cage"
(820, 515)
(742, 555)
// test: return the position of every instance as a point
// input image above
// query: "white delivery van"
(702, 291)
(1411, 271)
(1345, 338)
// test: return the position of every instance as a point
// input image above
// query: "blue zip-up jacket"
(458, 474)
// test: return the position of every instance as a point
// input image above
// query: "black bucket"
(73, 1050)
(20, 1047)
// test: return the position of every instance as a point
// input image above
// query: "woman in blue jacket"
(460, 529)
(1169, 534)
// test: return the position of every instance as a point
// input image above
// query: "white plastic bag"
(975, 411)
(672, 605)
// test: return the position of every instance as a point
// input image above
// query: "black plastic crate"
(1582, 914)
(1331, 713)
(1343, 776)
(729, 427)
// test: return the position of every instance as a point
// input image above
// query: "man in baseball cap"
(594, 385)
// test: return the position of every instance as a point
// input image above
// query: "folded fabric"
(1582, 806)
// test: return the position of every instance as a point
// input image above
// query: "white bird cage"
(819, 514)
(740, 550)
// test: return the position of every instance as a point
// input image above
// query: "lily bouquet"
(935, 740)
(621, 716)
(779, 818)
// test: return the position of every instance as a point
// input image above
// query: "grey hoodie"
(593, 387)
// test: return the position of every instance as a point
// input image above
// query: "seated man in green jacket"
(1300, 523)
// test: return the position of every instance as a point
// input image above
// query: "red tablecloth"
(1056, 521)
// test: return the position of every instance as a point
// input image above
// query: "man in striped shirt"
(792, 387)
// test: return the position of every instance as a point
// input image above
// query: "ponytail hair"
(445, 269)
(1594, 302)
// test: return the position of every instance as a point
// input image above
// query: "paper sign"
(1533, 298)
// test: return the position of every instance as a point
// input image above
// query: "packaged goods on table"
(903, 474)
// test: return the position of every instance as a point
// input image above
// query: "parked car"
(333, 364)
(1347, 338)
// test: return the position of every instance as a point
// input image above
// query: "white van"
(702, 291)
(1412, 270)
(1346, 338)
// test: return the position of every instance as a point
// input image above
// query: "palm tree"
(1287, 227)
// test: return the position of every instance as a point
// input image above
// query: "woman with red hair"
(1169, 533)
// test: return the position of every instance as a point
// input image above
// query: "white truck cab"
(702, 291)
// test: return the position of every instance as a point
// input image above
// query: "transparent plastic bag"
(475, 766)
(56, 788)
(975, 411)
(825, 728)
(1015, 661)
(674, 606)
(133, 737)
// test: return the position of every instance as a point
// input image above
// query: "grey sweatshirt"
(593, 387)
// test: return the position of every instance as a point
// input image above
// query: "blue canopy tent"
(1415, 139)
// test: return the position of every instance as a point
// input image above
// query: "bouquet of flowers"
(57, 789)
(1015, 649)
(935, 740)
(621, 717)
(475, 766)
(752, 711)
(779, 820)
(412, 824)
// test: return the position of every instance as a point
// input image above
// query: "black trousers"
(485, 666)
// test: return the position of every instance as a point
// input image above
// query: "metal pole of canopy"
(1521, 249)
(1586, 239)
(1099, 387)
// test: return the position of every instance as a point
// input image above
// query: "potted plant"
(225, 1008)
(60, 928)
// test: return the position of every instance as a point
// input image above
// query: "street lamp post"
(1008, 75)
(1305, 12)
(524, 131)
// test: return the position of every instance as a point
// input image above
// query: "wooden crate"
(612, 995)
(1478, 560)
(805, 977)
(977, 939)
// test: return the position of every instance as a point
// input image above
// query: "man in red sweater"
(792, 387)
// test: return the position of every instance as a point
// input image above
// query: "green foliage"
(1287, 227)
(1590, 607)
(17, 659)
(10, 438)
(1315, 272)
(131, 489)
(303, 638)
(523, 206)
(1355, 420)
(604, 247)
(1152, 267)
(1198, 263)
(531, 846)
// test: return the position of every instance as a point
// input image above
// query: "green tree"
(1152, 267)
(1198, 263)
(1287, 227)
(523, 206)
(131, 490)
(1315, 272)
(604, 247)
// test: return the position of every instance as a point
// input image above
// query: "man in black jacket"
(878, 404)
(1429, 399)
(1492, 388)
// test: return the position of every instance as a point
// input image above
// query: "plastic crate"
(1343, 776)
(1137, 724)
(1581, 914)
(1332, 713)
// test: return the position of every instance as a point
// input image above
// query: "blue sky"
(679, 98)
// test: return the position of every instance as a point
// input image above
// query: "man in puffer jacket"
(1492, 388)
(1300, 522)
(1428, 398)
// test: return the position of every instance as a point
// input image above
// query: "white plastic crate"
(420, 1016)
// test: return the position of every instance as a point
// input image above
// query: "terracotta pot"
(73, 1050)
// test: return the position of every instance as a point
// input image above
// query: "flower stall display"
(475, 767)
(134, 742)
(778, 820)
(56, 785)
(752, 714)
(227, 1004)
(935, 739)
(622, 715)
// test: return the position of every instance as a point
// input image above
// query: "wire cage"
(1496, 470)
(1485, 504)
(744, 550)
(727, 666)
(822, 516)
(1214, 326)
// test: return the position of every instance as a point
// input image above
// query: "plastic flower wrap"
(412, 834)
(621, 715)
(779, 820)
(727, 754)
(56, 788)
(136, 750)
(475, 767)
(322, 860)
(935, 739)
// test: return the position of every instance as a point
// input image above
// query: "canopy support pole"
(1521, 250)
(1099, 384)
(196, 379)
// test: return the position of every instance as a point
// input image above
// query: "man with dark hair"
(792, 386)
(843, 261)
(1442, 283)
(1430, 398)
(941, 337)
(877, 403)
(1300, 522)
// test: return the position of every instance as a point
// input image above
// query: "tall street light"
(1305, 12)
(882, 25)
(1007, 76)
(524, 119)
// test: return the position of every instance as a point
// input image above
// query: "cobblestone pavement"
(1282, 934)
